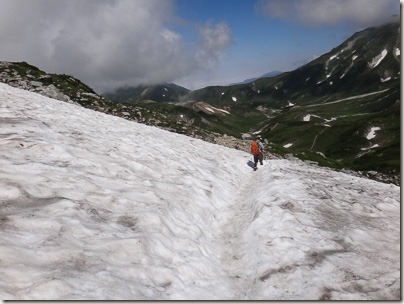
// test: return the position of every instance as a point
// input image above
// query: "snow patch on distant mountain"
(376, 61)
(372, 133)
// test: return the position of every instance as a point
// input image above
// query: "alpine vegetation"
(97, 207)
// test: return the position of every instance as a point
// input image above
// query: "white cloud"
(105, 43)
(330, 12)
(215, 40)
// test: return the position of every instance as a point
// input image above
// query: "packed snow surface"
(95, 207)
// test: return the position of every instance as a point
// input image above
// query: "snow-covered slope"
(97, 207)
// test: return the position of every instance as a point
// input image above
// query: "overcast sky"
(194, 43)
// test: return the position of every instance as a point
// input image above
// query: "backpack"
(254, 148)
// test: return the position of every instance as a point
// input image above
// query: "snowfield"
(95, 207)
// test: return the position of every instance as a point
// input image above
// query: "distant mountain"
(266, 75)
(370, 59)
(166, 92)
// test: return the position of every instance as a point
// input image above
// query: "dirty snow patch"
(224, 111)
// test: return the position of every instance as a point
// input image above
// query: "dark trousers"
(258, 157)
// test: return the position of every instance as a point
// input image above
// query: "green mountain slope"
(325, 110)
(161, 93)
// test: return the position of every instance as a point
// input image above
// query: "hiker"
(257, 150)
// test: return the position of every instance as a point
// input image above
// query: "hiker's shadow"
(251, 164)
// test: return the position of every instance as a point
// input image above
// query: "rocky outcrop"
(61, 87)
(41, 84)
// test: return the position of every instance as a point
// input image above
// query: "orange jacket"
(254, 148)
